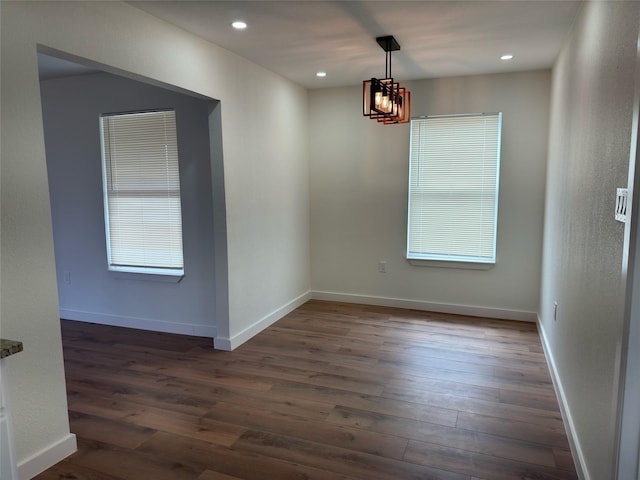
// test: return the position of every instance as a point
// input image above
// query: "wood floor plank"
(416, 410)
(480, 466)
(415, 352)
(494, 408)
(270, 374)
(564, 460)
(74, 471)
(543, 399)
(332, 391)
(429, 385)
(456, 438)
(210, 377)
(209, 475)
(129, 464)
(232, 462)
(90, 401)
(165, 394)
(532, 432)
(336, 460)
(202, 428)
(108, 431)
(522, 385)
(355, 439)
(361, 359)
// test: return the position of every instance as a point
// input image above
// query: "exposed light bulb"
(239, 25)
(385, 104)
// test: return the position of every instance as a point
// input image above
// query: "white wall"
(589, 145)
(359, 198)
(71, 110)
(266, 187)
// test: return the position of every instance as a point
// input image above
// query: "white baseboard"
(47, 457)
(228, 344)
(500, 313)
(141, 323)
(574, 443)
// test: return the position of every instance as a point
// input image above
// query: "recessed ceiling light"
(239, 25)
(508, 56)
(321, 74)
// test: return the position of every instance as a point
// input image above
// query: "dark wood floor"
(332, 391)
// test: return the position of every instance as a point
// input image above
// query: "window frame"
(148, 272)
(448, 259)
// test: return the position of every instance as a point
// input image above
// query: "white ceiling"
(438, 38)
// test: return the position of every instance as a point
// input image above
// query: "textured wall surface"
(592, 99)
(359, 182)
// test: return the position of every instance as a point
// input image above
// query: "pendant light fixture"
(383, 99)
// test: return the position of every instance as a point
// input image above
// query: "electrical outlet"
(66, 276)
(555, 311)
(382, 266)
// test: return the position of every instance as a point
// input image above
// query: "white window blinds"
(143, 217)
(453, 188)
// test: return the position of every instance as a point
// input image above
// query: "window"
(453, 188)
(143, 218)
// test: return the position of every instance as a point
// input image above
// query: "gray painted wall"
(359, 172)
(589, 145)
(71, 111)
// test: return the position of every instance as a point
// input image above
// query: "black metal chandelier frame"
(384, 99)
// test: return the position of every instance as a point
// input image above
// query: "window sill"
(146, 277)
(450, 264)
